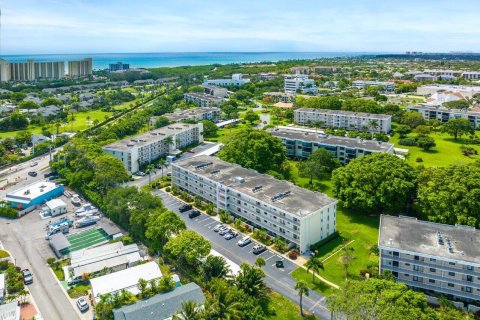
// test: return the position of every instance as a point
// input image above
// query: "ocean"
(175, 59)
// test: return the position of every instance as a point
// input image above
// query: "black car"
(193, 214)
(32, 174)
(185, 207)
(257, 249)
(50, 174)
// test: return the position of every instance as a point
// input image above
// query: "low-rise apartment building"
(279, 96)
(362, 84)
(195, 114)
(215, 91)
(466, 91)
(236, 80)
(471, 75)
(434, 258)
(299, 82)
(302, 143)
(299, 216)
(149, 146)
(202, 100)
(346, 120)
(443, 114)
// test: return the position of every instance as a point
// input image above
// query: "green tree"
(260, 262)
(458, 127)
(251, 116)
(315, 265)
(18, 96)
(457, 194)
(250, 279)
(210, 129)
(190, 311)
(109, 172)
(23, 137)
(255, 149)
(423, 130)
(28, 105)
(188, 245)
(413, 119)
(302, 289)
(51, 101)
(222, 303)
(458, 104)
(426, 142)
(161, 122)
(319, 163)
(378, 182)
(161, 226)
(215, 267)
(379, 299)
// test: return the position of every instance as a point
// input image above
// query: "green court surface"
(86, 239)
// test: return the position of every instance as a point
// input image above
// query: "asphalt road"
(279, 280)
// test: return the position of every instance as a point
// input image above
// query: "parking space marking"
(208, 218)
(209, 224)
(266, 259)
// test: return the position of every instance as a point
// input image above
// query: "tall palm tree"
(250, 280)
(302, 290)
(373, 124)
(315, 265)
(215, 267)
(149, 170)
(318, 125)
(222, 305)
(162, 163)
(189, 311)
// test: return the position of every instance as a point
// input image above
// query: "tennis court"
(86, 239)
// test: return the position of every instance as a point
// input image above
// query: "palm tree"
(250, 280)
(302, 290)
(142, 286)
(149, 170)
(222, 304)
(215, 267)
(315, 265)
(162, 163)
(317, 125)
(189, 311)
(373, 124)
(260, 262)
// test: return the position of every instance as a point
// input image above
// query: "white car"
(244, 241)
(217, 227)
(82, 304)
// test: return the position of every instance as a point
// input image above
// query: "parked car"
(82, 304)
(244, 241)
(193, 214)
(224, 231)
(34, 164)
(231, 235)
(185, 207)
(32, 173)
(257, 249)
(27, 276)
(50, 174)
(141, 174)
(218, 227)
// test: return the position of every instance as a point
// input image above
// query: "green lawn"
(352, 225)
(78, 291)
(3, 254)
(280, 308)
(445, 153)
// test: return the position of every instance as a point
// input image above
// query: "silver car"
(82, 304)
(244, 241)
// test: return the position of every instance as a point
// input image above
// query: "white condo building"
(346, 120)
(299, 216)
(466, 91)
(236, 80)
(149, 146)
(362, 84)
(82, 68)
(301, 82)
(195, 114)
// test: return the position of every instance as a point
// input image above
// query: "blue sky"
(96, 26)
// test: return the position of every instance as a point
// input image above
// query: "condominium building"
(466, 91)
(147, 147)
(299, 216)
(302, 143)
(82, 68)
(443, 114)
(434, 258)
(299, 82)
(346, 120)
(307, 70)
(471, 75)
(362, 84)
(31, 71)
(236, 80)
(118, 66)
(215, 91)
(195, 114)
(279, 96)
(202, 100)
(5, 71)
(443, 72)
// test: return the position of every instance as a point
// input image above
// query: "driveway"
(279, 280)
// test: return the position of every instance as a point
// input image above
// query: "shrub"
(50, 261)
(168, 189)
(293, 255)
(468, 151)
(407, 142)
(8, 212)
(419, 159)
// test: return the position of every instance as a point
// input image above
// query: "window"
(451, 263)
(415, 278)
(451, 285)
(416, 268)
(470, 268)
(468, 289)
(417, 258)
(431, 280)
(433, 270)
(433, 259)
(469, 278)
(395, 254)
(451, 274)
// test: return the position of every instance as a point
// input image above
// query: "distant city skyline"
(86, 26)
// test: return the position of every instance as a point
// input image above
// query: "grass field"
(445, 153)
(86, 239)
(280, 308)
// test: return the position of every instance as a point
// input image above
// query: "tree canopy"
(378, 181)
(188, 245)
(458, 127)
(255, 149)
(318, 164)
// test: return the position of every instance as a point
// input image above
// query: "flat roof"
(346, 113)
(371, 145)
(32, 191)
(451, 87)
(125, 279)
(411, 234)
(55, 203)
(161, 306)
(150, 136)
(300, 202)
(213, 87)
(186, 114)
(10, 311)
(202, 96)
(373, 82)
(443, 109)
(111, 262)
(58, 241)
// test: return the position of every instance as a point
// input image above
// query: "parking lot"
(279, 279)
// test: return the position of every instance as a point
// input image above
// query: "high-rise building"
(119, 66)
(4, 70)
(31, 71)
(82, 68)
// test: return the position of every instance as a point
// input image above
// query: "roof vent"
(390, 241)
(280, 195)
(239, 180)
(257, 188)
